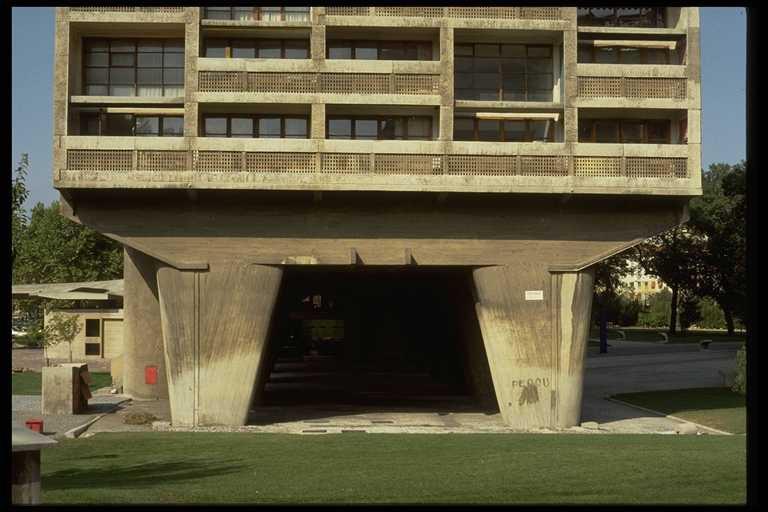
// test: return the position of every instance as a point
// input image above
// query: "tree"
(57, 250)
(719, 215)
(61, 329)
(673, 257)
(19, 194)
(607, 285)
(690, 312)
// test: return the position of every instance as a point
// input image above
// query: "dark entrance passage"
(385, 336)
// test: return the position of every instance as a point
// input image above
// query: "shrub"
(656, 313)
(711, 315)
(740, 378)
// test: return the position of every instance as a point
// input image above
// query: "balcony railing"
(510, 13)
(151, 164)
(126, 8)
(632, 87)
(330, 83)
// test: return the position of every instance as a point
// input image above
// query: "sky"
(723, 89)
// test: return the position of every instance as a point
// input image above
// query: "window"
(625, 131)
(127, 125)
(92, 327)
(257, 48)
(380, 127)
(517, 130)
(133, 67)
(379, 50)
(257, 13)
(589, 53)
(93, 349)
(622, 17)
(504, 72)
(256, 126)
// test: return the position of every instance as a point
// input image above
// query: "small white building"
(640, 285)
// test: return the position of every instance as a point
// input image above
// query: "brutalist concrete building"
(403, 203)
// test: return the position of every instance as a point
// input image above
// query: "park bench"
(704, 344)
(665, 337)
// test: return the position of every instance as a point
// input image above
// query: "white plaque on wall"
(534, 294)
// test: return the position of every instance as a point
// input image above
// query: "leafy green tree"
(57, 250)
(690, 312)
(656, 313)
(61, 329)
(673, 257)
(719, 215)
(19, 194)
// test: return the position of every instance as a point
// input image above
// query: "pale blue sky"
(723, 75)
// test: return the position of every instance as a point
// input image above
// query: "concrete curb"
(658, 413)
(74, 433)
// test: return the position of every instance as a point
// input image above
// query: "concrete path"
(28, 407)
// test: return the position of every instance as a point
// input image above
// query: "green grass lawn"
(645, 334)
(718, 408)
(29, 383)
(395, 468)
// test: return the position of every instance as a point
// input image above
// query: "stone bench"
(25, 464)
(704, 344)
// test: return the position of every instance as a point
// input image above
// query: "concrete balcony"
(379, 87)
(632, 88)
(324, 165)
(126, 14)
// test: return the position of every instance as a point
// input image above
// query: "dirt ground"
(33, 359)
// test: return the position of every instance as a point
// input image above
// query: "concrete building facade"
(251, 158)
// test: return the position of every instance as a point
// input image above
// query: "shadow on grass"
(144, 475)
(683, 400)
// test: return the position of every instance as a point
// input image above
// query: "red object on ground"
(35, 425)
(150, 374)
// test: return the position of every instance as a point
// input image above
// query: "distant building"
(640, 285)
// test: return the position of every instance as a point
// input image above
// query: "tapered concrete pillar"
(535, 327)
(142, 332)
(215, 329)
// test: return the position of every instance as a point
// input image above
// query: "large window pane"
(606, 55)
(173, 60)
(488, 129)
(486, 50)
(173, 126)
(173, 76)
(149, 76)
(392, 50)
(296, 128)
(658, 132)
(539, 66)
(464, 128)
(585, 53)
(513, 50)
(606, 131)
(632, 132)
(296, 49)
(122, 46)
(241, 127)
(216, 49)
(424, 51)
(122, 76)
(147, 126)
(393, 128)
(89, 123)
(541, 131)
(269, 127)
(585, 130)
(243, 49)
(150, 46)
(150, 60)
(173, 46)
(515, 131)
(656, 56)
(218, 13)
(339, 51)
(97, 59)
(96, 75)
(339, 129)
(419, 128)
(629, 55)
(539, 51)
(463, 64)
(366, 51)
(540, 82)
(215, 127)
(269, 49)
(366, 129)
(96, 90)
(119, 125)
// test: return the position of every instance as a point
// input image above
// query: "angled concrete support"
(215, 329)
(535, 328)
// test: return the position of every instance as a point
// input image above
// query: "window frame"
(620, 130)
(379, 126)
(90, 321)
(354, 43)
(503, 75)
(101, 118)
(503, 132)
(135, 67)
(228, 46)
(258, 15)
(255, 125)
(643, 56)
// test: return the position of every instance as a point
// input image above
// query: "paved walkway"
(28, 407)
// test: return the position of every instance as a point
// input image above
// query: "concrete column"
(191, 53)
(215, 328)
(445, 131)
(535, 327)
(25, 477)
(317, 121)
(142, 332)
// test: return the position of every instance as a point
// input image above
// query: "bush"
(619, 310)
(740, 378)
(711, 315)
